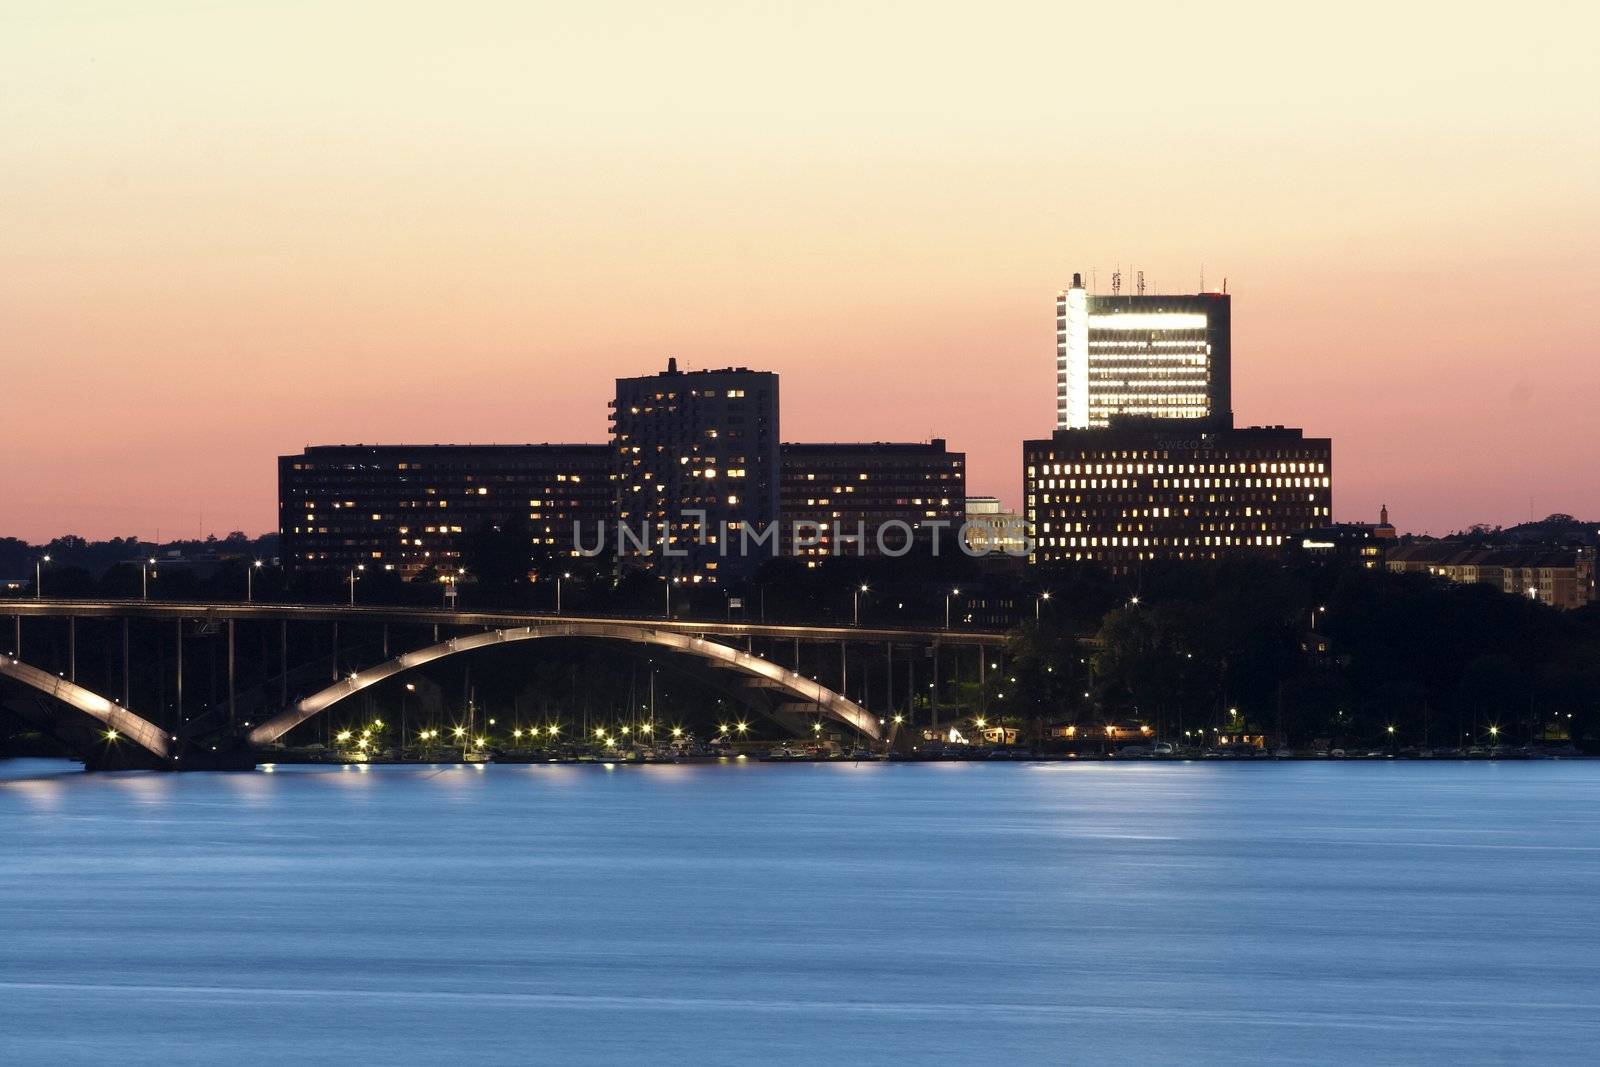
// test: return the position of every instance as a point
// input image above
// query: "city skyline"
(470, 249)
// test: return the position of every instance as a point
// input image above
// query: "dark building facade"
(1165, 357)
(850, 491)
(1168, 489)
(407, 507)
(1366, 543)
(695, 458)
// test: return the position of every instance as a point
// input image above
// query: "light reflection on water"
(843, 913)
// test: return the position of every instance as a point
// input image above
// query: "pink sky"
(228, 231)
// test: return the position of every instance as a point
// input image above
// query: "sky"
(230, 230)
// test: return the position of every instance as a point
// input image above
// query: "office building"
(1166, 489)
(695, 458)
(406, 508)
(1166, 357)
(845, 494)
(1365, 543)
(992, 529)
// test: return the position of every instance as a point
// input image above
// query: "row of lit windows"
(1233, 467)
(1153, 484)
(1134, 541)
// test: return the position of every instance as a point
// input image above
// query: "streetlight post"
(564, 576)
(353, 570)
(250, 581)
(857, 607)
(144, 577)
(947, 596)
(38, 576)
(411, 687)
(668, 582)
(1036, 602)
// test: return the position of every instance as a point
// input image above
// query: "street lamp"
(1041, 598)
(353, 570)
(447, 587)
(856, 596)
(38, 576)
(249, 581)
(564, 576)
(947, 596)
(144, 577)
(668, 581)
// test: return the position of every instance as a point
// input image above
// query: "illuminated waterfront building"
(850, 491)
(1165, 357)
(407, 508)
(1166, 489)
(695, 458)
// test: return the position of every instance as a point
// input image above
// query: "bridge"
(46, 672)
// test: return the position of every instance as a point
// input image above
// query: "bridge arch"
(827, 701)
(113, 716)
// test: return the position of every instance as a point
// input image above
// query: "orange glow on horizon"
(234, 230)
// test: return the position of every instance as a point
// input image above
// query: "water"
(881, 913)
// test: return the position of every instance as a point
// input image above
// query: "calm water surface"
(847, 914)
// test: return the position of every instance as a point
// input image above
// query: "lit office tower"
(1164, 357)
(695, 457)
(1145, 490)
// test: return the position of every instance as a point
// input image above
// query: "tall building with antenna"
(1165, 357)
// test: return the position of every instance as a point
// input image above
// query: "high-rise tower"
(696, 458)
(1166, 357)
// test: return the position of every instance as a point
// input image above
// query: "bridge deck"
(62, 607)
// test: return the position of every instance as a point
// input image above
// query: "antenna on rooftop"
(1140, 284)
(1116, 282)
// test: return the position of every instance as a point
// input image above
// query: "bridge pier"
(232, 718)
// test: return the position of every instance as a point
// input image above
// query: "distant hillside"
(1557, 529)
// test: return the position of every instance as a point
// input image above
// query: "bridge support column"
(983, 691)
(935, 688)
(126, 665)
(72, 649)
(333, 670)
(283, 663)
(16, 643)
(178, 720)
(844, 668)
(231, 675)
